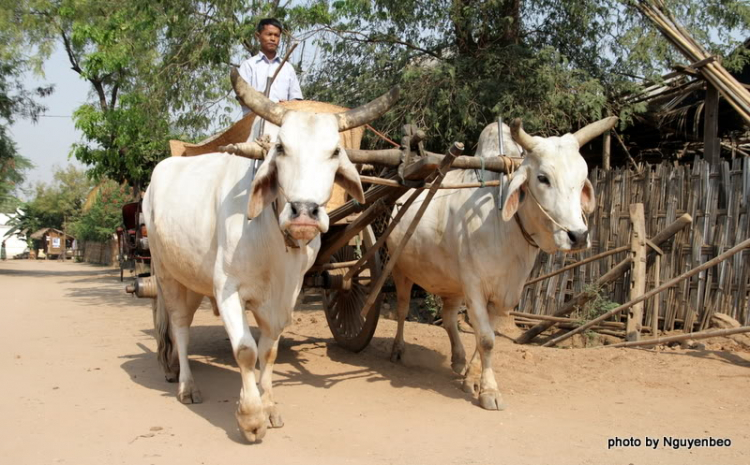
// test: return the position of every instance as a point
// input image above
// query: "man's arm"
(295, 93)
(246, 73)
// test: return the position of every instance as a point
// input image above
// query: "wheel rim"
(344, 307)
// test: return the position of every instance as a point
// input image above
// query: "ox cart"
(353, 264)
(132, 242)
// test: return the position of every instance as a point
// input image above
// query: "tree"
(104, 213)
(557, 64)
(15, 101)
(55, 205)
(158, 70)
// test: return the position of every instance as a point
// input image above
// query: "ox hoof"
(253, 424)
(491, 400)
(471, 385)
(274, 418)
(189, 394)
(397, 353)
(459, 366)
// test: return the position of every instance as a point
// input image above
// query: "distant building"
(48, 242)
(13, 245)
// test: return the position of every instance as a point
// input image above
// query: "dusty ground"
(81, 386)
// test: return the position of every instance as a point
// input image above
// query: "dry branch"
(682, 337)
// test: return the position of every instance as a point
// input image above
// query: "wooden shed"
(48, 243)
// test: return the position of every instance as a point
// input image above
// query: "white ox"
(466, 248)
(213, 232)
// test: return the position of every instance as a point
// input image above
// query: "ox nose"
(309, 209)
(578, 239)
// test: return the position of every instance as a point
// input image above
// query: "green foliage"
(555, 63)
(158, 70)
(597, 306)
(100, 221)
(15, 101)
(53, 206)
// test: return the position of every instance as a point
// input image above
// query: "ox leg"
(484, 330)
(403, 297)
(451, 307)
(268, 347)
(250, 416)
(181, 308)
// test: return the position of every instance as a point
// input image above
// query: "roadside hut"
(48, 242)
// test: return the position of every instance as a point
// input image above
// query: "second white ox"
(466, 248)
(213, 232)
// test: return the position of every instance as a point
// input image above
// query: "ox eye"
(543, 179)
(336, 153)
(279, 149)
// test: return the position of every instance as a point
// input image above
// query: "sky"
(47, 143)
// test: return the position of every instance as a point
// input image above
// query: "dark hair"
(268, 22)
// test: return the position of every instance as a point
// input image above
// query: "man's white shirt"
(258, 68)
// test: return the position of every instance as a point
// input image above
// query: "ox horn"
(586, 133)
(257, 102)
(368, 112)
(520, 136)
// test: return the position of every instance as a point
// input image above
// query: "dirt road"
(81, 386)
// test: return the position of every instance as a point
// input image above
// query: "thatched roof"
(40, 234)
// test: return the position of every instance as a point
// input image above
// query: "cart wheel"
(343, 307)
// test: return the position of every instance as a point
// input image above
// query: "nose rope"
(528, 236)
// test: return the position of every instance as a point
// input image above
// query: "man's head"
(268, 34)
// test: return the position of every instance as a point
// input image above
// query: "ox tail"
(166, 350)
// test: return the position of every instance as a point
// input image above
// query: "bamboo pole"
(682, 337)
(713, 262)
(614, 273)
(655, 309)
(667, 24)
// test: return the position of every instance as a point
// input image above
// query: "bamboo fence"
(717, 199)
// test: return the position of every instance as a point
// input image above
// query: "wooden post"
(655, 309)
(637, 270)
(606, 150)
(711, 141)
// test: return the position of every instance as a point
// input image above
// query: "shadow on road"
(52, 273)
(216, 373)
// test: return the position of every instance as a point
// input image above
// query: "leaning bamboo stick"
(682, 337)
(440, 173)
(579, 263)
(713, 262)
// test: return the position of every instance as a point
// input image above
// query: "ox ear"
(588, 199)
(514, 192)
(265, 187)
(348, 177)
